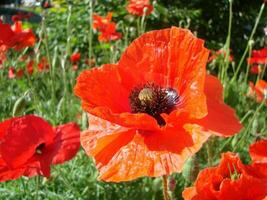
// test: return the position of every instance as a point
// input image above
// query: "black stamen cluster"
(153, 100)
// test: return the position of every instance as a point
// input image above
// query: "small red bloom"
(19, 73)
(139, 7)
(75, 67)
(11, 72)
(43, 65)
(21, 16)
(106, 27)
(258, 56)
(29, 146)
(220, 54)
(255, 69)
(231, 180)
(29, 67)
(258, 151)
(75, 57)
(259, 90)
(153, 109)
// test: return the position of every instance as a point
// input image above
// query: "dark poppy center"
(153, 100)
(40, 148)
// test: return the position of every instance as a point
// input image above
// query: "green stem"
(228, 41)
(249, 40)
(165, 187)
(90, 36)
(248, 65)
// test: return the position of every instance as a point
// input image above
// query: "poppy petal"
(258, 151)
(67, 142)
(123, 155)
(17, 151)
(221, 119)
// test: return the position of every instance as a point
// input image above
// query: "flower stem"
(249, 41)
(165, 187)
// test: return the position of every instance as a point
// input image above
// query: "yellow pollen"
(145, 95)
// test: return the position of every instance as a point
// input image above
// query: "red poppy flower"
(259, 90)
(255, 69)
(106, 27)
(230, 180)
(43, 65)
(139, 7)
(258, 151)
(29, 145)
(21, 16)
(153, 109)
(19, 73)
(258, 56)
(29, 67)
(15, 37)
(220, 54)
(11, 72)
(75, 57)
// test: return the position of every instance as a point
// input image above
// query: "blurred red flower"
(220, 54)
(29, 146)
(43, 65)
(259, 90)
(15, 37)
(11, 72)
(139, 7)
(153, 109)
(258, 56)
(19, 73)
(29, 67)
(21, 16)
(106, 27)
(258, 151)
(231, 180)
(75, 57)
(255, 69)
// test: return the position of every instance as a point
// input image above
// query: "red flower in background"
(106, 27)
(255, 69)
(75, 57)
(29, 67)
(19, 73)
(153, 109)
(29, 146)
(231, 180)
(139, 7)
(259, 90)
(21, 16)
(11, 73)
(258, 56)
(43, 65)
(220, 53)
(15, 37)
(258, 152)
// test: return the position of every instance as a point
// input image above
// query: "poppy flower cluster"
(153, 109)
(106, 27)
(259, 90)
(231, 179)
(29, 146)
(139, 7)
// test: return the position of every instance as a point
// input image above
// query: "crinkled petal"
(125, 154)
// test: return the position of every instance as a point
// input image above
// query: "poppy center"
(153, 100)
(40, 148)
